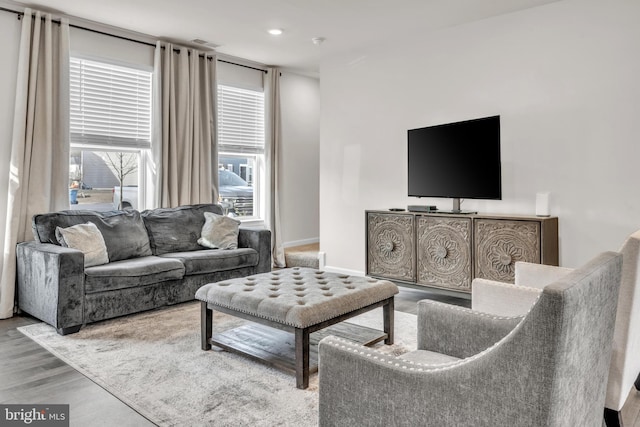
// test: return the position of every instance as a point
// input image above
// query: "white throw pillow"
(87, 239)
(219, 232)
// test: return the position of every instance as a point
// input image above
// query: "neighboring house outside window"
(110, 126)
(241, 150)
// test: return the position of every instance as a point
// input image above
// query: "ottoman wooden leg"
(206, 325)
(302, 358)
(387, 311)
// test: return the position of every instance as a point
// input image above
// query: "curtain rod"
(57, 21)
(242, 65)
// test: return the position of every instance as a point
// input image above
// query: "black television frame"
(464, 158)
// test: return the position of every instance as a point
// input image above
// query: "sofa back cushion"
(176, 229)
(123, 232)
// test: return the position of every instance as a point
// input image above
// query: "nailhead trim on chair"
(422, 367)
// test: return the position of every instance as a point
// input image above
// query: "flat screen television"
(456, 160)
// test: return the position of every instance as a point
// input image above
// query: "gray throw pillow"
(87, 239)
(219, 232)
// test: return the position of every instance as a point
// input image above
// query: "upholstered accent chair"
(511, 300)
(548, 367)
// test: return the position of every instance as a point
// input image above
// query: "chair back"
(569, 338)
(625, 357)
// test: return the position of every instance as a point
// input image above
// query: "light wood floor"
(29, 374)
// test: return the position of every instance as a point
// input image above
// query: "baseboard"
(301, 242)
(339, 270)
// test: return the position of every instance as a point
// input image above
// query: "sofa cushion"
(131, 273)
(219, 232)
(212, 260)
(87, 239)
(176, 229)
(124, 232)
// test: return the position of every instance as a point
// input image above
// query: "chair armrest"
(51, 284)
(458, 331)
(538, 275)
(360, 386)
(260, 240)
(502, 299)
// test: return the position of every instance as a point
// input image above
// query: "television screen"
(456, 160)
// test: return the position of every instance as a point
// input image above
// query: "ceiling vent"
(205, 43)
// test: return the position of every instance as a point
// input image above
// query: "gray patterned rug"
(153, 363)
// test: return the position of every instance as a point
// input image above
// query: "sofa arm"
(458, 331)
(502, 299)
(51, 284)
(260, 240)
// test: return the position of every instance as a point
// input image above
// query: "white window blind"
(240, 120)
(110, 105)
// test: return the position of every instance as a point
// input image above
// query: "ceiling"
(239, 27)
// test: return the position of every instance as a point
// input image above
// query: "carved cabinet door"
(444, 252)
(391, 246)
(500, 243)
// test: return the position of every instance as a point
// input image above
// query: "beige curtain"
(39, 170)
(273, 160)
(185, 127)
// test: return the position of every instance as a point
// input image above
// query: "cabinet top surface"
(478, 215)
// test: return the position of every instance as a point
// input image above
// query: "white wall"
(300, 111)
(563, 77)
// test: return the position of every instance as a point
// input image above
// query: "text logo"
(34, 415)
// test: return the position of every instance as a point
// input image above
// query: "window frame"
(237, 148)
(140, 147)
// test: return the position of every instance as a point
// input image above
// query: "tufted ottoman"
(296, 300)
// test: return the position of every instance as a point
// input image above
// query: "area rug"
(153, 363)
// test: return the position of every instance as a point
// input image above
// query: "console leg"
(206, 326)
(387, 311)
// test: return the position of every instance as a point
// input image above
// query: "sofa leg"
(637, 383)
(69, 330)
(612, 418)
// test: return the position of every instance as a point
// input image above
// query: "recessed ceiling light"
(275, 31)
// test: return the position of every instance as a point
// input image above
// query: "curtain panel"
(184, 144)
(39, 169)
(274, 160)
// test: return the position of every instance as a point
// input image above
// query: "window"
(110, 126)
(241, 149)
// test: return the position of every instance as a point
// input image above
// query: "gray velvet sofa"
(154, 260)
